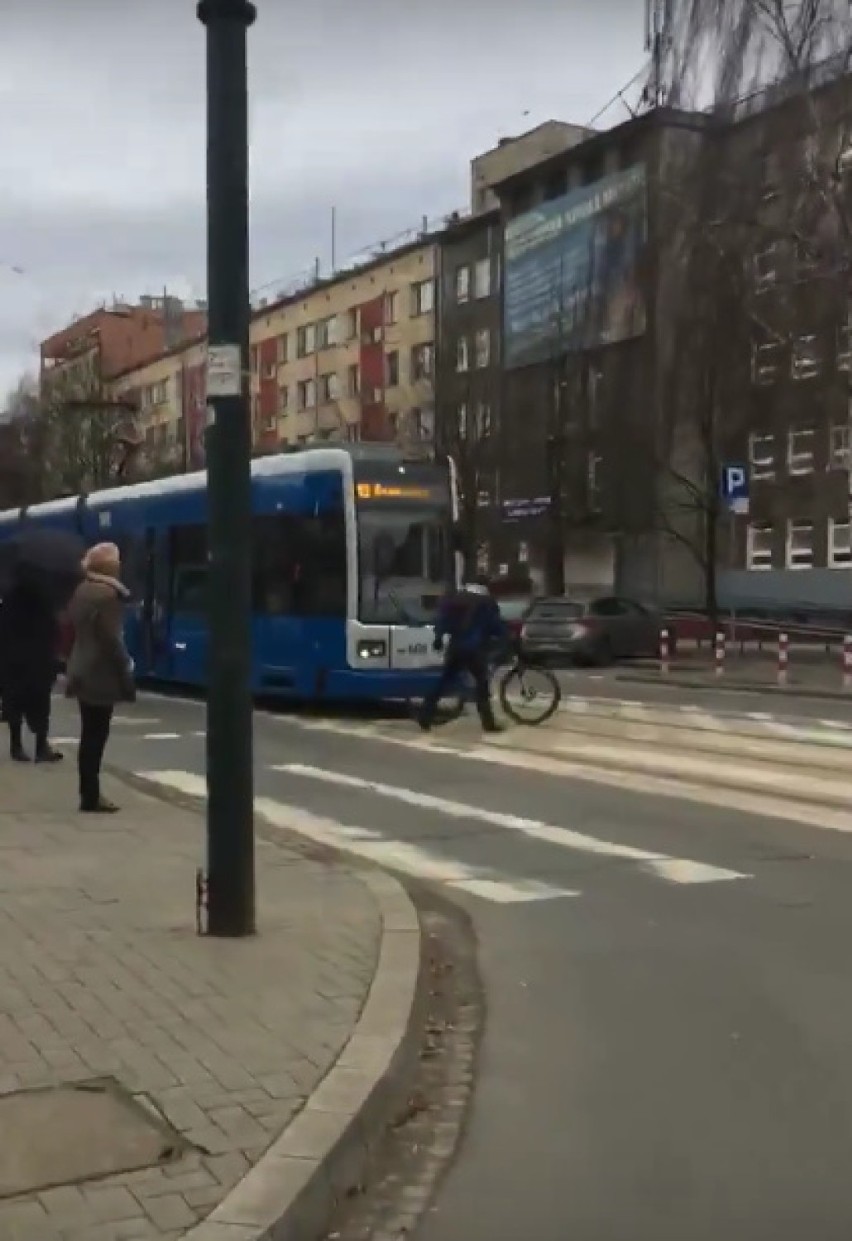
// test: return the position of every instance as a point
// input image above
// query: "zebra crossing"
(836, 731)
(748, 763)
(420, 854)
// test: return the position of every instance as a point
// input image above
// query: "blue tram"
(353, 547)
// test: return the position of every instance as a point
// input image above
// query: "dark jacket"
(100, 671)
(28, 642)
(470, 619)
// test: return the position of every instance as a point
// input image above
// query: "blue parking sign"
(735, 487)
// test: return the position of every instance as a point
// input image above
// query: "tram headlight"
(372, 648)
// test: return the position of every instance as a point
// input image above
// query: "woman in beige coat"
(100, 671)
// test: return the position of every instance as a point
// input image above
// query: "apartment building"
(788, 420)
(112, 340)
(468, 374)
(583, 322)
(154, 391)
(518, 154)
(351, 357)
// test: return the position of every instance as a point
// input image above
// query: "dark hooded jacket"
(29, 636)
(471, 620)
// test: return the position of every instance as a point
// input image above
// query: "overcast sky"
(375, 106)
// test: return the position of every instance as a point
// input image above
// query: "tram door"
(154, 644)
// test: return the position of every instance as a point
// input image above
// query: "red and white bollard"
(719, 651)
(847, 662)
(783, 658)
(665, 653)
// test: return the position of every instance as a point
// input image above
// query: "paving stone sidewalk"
(102, 976)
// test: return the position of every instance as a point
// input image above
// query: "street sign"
(735, 488)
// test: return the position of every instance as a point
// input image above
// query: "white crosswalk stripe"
(483, 882)
(675, 870)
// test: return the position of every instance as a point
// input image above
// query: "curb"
(291, 1193)
(739, 687)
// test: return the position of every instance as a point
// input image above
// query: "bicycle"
(519, 686)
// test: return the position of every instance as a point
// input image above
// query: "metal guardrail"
(697, 627)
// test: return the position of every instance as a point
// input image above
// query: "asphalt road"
(666, 1054)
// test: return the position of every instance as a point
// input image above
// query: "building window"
(462, 354)
(306, 394)
(421, 424)
(353, 379)
(392, 369)
(800, 544)
(422, 361)
(482, 278)
(422, 297)
(770, 176)
(329, 389)
(269, 370)
(353, 323)
(805, 357)
(255, 359)
(391, 311)
(306, 340)
(761, 455)
(463, 283)
(483, 420)
(765, 265)
(594, 481)
(800, 451)
(283, 349)
(283, 398)
(840, 543)
(765, 363)
(461, 418)
(838, 447)
(844, 344)
(483, 348)
(326, 336)
(759, 547)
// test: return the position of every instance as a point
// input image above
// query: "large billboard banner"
(572, 270)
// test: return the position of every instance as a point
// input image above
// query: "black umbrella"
(48, 560)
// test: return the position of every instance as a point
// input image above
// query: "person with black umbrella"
(28, 665)
(39, 570)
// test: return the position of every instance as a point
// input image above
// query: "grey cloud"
(369, 106)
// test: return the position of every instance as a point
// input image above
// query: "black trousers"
(30, 707)
(456, 664)
(94, 733)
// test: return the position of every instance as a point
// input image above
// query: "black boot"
(17, 753)
(45, 752)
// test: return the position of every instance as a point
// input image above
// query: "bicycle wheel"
(529, 695)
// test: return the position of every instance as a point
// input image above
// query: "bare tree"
(69, 439)
(468, 440)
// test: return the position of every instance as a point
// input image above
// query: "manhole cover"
(82, 1132)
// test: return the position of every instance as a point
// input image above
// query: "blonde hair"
(102, 558)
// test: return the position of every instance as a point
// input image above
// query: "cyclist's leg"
(477, 666)
(449, 672)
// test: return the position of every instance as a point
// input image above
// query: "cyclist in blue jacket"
(469, 619)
